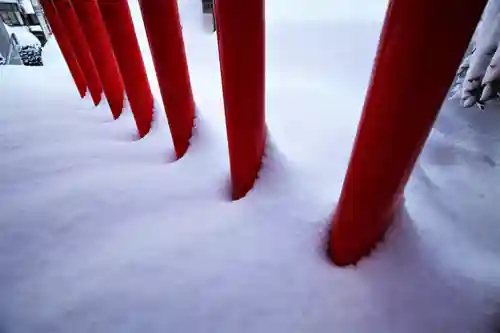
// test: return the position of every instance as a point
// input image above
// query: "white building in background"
(27, 15)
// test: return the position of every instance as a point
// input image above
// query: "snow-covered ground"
(101, 233)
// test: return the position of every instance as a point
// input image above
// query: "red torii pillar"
(101, 50)
(163, 27)
(118, 21)
(421, 46)
(65, 46)
(241, 37)
(80, 46)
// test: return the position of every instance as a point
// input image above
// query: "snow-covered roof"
(24, 36)
(28, 7)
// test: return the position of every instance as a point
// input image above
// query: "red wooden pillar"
(101, 50)
(65, 46)
(163, 27)
(241, 36)
(421, 46)
(80, 46)
(118, 21)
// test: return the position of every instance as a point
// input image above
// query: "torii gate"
(421, 45)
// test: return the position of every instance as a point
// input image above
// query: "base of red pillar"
(407, 88)
(65, 46)
(241, 41)
(163, 28)
(119, 25)
(101, 50)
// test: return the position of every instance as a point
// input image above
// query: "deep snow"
(101, 233)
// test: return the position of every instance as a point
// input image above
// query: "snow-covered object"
(486, 40)
(31, 55)
(23, 35)
(491, 80)
(456, 89)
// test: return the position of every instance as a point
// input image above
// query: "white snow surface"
(100, 232)
(24, 36)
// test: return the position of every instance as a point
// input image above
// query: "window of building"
(208, 6)
(10, 18)
(32, 19)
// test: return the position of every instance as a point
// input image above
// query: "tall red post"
(80, 46)
(101, 50)
(241, 37)
(118, 21)
(65, 46)
(163, 27)
(418, 55)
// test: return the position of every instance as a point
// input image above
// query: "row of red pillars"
(415, 64)
(99, 44)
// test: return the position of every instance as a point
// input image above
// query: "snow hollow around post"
(101, 233)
